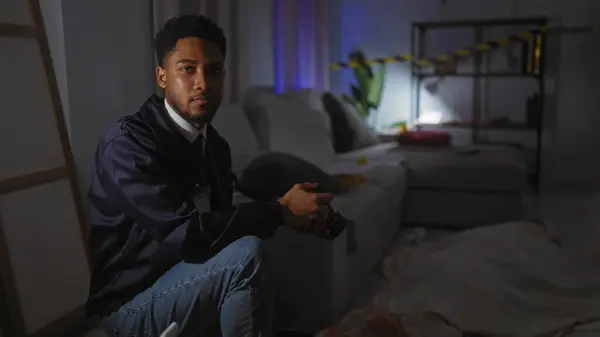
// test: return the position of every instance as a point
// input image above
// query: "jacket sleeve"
(156, 202)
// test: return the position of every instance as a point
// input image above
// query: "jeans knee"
(249, 252)
(249, 249)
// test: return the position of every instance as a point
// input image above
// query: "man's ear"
(161, 77)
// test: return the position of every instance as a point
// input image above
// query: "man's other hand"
(303, 209)
(300, 200)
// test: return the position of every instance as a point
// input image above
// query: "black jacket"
(144, 218)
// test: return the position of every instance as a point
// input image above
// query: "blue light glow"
(278, 49)
(296, 32)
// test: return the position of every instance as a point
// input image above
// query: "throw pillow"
(350, 132)
(343, 133)
(365, 136)
(272, 174)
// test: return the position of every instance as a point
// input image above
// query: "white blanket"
(505, 280)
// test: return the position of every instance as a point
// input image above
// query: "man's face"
(192, 77)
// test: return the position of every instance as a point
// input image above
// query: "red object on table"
(425, 138)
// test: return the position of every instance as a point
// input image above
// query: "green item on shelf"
(397, 124)
(366, 95)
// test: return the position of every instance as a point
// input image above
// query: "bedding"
(507, 280)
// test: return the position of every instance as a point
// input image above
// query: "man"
(167, 244)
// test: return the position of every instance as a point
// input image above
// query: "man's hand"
(304, 209)
(313, 225)
(301, 201)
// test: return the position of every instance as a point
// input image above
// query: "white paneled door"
(43, 258)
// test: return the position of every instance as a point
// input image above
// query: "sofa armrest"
(317, 278)
(309, 276)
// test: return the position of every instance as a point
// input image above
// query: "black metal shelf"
(418, 35)
(524, 21)
(491, 127)
(484, 75)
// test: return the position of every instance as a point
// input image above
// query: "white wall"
(248, 28)
(53, 20)
(256, 43)
(102, 54)
(108, 50)
(381, 28)
(577, 137)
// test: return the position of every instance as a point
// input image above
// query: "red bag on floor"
(368, 322)
(425, 138)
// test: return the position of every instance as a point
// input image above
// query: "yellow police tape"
(465, 52)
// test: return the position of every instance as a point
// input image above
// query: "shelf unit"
(419, 32)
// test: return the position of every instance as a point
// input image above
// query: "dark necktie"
(198, 145)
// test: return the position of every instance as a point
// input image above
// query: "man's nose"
(199, 80)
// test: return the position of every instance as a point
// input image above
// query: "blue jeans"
(227, 295)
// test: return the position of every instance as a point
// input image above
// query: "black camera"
(336, 222)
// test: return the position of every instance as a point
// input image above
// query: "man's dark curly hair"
(180, 27)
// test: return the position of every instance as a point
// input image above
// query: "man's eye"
(217, 70)
(187, 69)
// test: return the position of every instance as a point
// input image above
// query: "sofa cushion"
(388, 176)
(478, 168)
(273, 174)
(386, 152)
(365, 136)
(460, 209)
(349, 129)
(288, 127)
(252, 101)
(312, 99)
(233, 125)
(343, 134)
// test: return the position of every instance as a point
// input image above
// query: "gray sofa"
(455, 187)
(460, 186)
(316, 279)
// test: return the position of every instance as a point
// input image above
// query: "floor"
(573, 219)
(95, 333)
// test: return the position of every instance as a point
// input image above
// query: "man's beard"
(203, 119)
